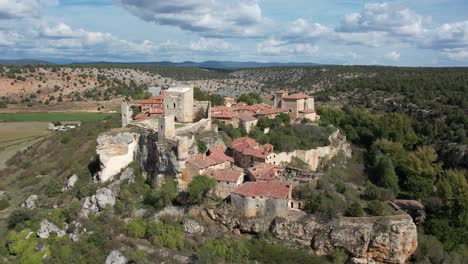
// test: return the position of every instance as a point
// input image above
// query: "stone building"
(178, 101)
(228, 180)
(262, 198)
(264, 172)
(298, 105)
(247, 152)
(200, 163)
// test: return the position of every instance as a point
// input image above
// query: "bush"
(223, 251)
(4, 203)
(375, 208)
(163, 196)
(355, 210)
(374, 192)
(136, 228)
(199, 187)
(202, 148)
(338, 256)
(19, 216)
(53, 188)
(166, 235)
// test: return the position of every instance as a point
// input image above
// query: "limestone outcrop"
(47, 228)
(386, 239)
(115, 152)
(31, 202)
(115, 257)
(103, 197)
(70, 183)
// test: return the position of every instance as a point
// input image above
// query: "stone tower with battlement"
(166, 127)
(178, 102)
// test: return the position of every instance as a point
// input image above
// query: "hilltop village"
(255, 178)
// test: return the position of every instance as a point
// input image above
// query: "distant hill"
(23, 62)
(213, 64)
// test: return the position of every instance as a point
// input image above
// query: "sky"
(350, 32)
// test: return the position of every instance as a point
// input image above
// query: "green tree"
(199, 187)
(355, 210)
(384, 173)
(202, 148)
(163, 196)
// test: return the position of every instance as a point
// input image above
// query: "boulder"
(104, 197)
(115, 257)
(115, 152)
(31, 202)
(193, 227)
(47, 228)
(88, 206)
(128, 174)
(70, 183)
(170, 211)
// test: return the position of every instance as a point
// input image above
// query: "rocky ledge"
(386, 239)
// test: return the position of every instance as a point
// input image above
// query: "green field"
(52, 117)
(15, 136)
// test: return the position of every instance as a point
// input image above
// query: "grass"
(15, 136)
(51, 117)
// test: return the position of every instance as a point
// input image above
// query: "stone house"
(298, 105)
(228, 180)
(262, 198)
(264, 172)
(247, 152)
(247, 121)
(200, 163)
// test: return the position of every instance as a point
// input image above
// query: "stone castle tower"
(166, 127)
(178, 102)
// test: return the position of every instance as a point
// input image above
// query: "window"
(174, 105)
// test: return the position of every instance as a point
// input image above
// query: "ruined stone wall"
(190, 129)
(202, 107)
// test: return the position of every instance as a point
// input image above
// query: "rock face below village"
(387, 239)
(115, 153)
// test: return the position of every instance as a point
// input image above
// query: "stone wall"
(260, 206)
(203, 107)
(194, 128)
(179, 104)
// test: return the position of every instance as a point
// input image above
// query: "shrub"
(163, 196)
(19, 216)
(223, 251)
(375, 207)
(136, 228)
(53, 188)
(165, 235)
(355, 210)
(202, 148)
(199, 187)
(338, 256)
(4, 203)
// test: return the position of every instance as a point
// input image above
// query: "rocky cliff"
(389, 239)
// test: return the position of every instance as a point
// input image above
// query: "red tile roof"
(223, 115)
(246, 117)
(296, 96)
(202, 162)
(226, 175)
(156, 110)
(272, 189)
(264, 172)
(147, 101)
(218, 154)
(140, 116)
(249, 147)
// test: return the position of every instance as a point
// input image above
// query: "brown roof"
(218, 154)
(296, 96)
(264, 172)
(226, 175)
(223, 115)
(202, 162)
(250, 147)
(246, 117)
(273, 189)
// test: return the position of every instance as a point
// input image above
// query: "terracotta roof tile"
(272, 189)
(226, 175)
(246, 117)
(264, 172)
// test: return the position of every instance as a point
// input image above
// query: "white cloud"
(393, 55)
(383, 17)
(458, 54)
(14, 9)
(216, 45)
(279, 47)
(209, 18)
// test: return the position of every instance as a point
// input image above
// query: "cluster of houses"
(298, 106)
(246, 176)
